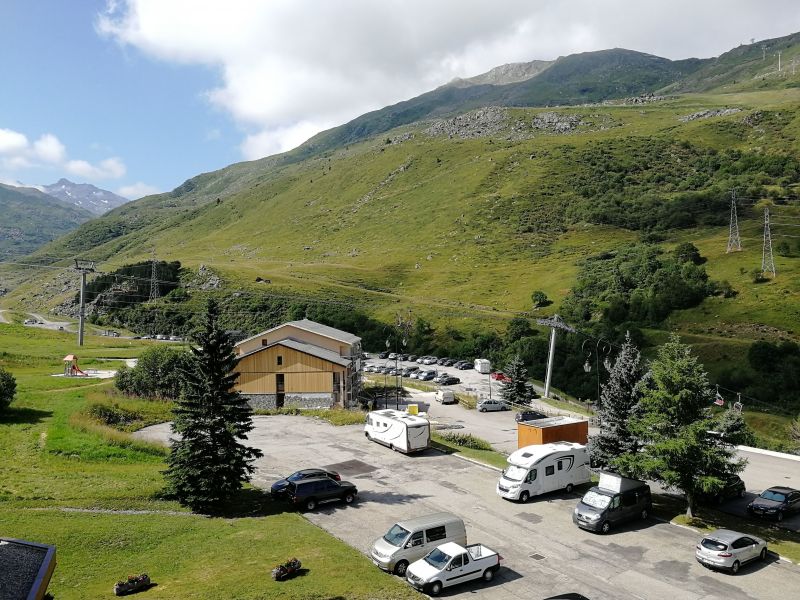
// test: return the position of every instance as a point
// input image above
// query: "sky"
(136, 96)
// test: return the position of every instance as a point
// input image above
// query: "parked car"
(451, 564)
(465, 366)
(775, 503)
(383, 355)
(412, 357)
(490, 405)
(29, 322)
(439, 377)
(408, 371)
(392, 356)
(278, 488)
(734, 488)
(450, 380)
(421, 360)
(725, 549)
(500, 376)
(426, 375)
(430, 360)
(529, 415)
(442, 360)
(402, 357)
(310, 493)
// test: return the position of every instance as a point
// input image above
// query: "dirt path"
(3, 318)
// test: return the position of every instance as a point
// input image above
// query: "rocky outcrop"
(478, 123)
(556, 122)
(707, 114)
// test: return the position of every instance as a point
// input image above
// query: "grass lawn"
(489, 457)
(83, 487)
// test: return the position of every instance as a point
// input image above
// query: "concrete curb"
(769, 453)
(471, 460)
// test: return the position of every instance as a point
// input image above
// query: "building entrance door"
(280, 390)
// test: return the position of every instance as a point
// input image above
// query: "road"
(544, 553)
(46, 324)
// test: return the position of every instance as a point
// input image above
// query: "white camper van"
(482, 365)
(398, 430)
(542, 468)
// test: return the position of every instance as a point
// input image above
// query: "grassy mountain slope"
(31, 218)
(747, 67)
(460, 229)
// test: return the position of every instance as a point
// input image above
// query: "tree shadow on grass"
(18, 416)
(248, 502)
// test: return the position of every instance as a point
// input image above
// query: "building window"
(280, 360)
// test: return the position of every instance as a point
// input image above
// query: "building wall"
(529, 434)
(302, 373)
(269, 401)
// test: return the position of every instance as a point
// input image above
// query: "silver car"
(725, 549)
(490, 405)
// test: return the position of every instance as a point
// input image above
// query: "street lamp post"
(605, 349)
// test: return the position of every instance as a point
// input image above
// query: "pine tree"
(516, 389)
(208, 464)
(618, 399)
(684, 446)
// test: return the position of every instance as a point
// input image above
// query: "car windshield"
(438, 559)
(713, 545)
(770, 495)
(396, 536)
(515, 473)
(297, 476)
(596, 500)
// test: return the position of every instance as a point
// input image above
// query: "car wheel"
(735, 567)
(644, 514)
(763, 555)
(780, 516)
(349, 497)
(311, 504)
(481, 410)
(488, 575)
(400, 568)
(605, 527)
(436, 588)
(569, 488)
(523, 497)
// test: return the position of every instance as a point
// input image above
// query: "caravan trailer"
(398, 430)
(538, 469)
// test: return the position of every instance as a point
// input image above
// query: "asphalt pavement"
(544, 552)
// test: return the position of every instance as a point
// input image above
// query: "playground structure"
(71, 368)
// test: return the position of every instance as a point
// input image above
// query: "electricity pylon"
(767, 260)
(734, 241)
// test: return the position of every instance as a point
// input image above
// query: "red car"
(500, 376)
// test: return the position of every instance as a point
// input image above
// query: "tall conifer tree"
(209, 463)
(618, 399)
(515, 390)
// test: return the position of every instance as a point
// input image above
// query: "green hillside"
(459, 219)
(31, 218)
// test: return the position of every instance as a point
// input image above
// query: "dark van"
(613, 502)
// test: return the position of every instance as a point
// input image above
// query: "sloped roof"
(314, 327)
(310, 349)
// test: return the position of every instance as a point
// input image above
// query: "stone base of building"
(269, 401)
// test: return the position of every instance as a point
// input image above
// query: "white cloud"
(49, 149)
(137, 190)
(17, 153)
(110, 168)
(12, 142)
(291, 67)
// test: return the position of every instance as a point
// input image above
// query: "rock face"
(85, 195)
(206, 279)
(555, 122)
(504, 74)
(478, 123)
(707, 114)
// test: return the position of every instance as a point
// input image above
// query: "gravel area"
(19, 565)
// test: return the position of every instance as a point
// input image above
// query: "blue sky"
(136, 96)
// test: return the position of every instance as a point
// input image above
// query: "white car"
(451, 564)
(725, 549)
(490, 405)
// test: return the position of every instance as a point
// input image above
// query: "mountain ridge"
(84, 195)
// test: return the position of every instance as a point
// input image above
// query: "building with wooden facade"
(300, 363)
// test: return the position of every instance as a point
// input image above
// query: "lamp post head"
(84, 265)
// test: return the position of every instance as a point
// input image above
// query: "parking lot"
(544, 553)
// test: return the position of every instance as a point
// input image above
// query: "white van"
(410, 540)
(398, 430)
(446, 397)
(543, 468)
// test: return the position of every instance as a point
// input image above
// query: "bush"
(112, 414)
(757, 276)
(157, 374)
(465, 440)
(8, 387)
(539, 298)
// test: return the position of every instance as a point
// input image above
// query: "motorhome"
(398, 430)
(411, 539)
(482, 365)
(538, 469)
